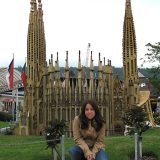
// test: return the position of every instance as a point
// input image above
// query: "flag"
(24, 75)
(10, 75)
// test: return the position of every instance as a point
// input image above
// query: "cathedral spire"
(129, 44)
(130, 56)
(41, 35)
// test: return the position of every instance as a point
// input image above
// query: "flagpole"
(13, 91)
(25, 74)
(17, 110)
(12, 104)
(10, 81)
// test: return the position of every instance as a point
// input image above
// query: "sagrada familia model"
(49, 96)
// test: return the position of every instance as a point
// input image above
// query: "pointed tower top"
(67, 55)
(128, 12)
(57, 56)
(40, 4)
(99, 56)
(51, 57)
(67, 67)
(91, 63)
(79, 60)
(33, 5)
(91, 55)
(128, 2)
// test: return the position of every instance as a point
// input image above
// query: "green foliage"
(4, 124)
(154, 52)
(55, 132)
(152, 56)
(136, 119)
(157, 118)
(154, 77)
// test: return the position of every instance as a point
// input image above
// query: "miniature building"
(49, 96)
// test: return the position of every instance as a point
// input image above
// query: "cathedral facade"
(49, 96)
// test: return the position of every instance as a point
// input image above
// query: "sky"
(71, 24)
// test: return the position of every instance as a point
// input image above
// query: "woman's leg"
(101, 155)
(76, 153)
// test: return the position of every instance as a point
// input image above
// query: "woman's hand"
(90, 157)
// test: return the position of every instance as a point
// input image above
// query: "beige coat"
(88, 140)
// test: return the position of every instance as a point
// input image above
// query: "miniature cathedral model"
(49, 96)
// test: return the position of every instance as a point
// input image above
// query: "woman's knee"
(75, 151)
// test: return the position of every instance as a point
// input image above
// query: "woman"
(89, 134)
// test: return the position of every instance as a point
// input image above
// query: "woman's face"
(89, 112)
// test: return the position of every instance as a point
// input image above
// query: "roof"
(3, 81)
(140, 75)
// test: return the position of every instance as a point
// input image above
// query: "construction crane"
(84, 67)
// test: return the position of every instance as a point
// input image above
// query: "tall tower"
(131, 81)
(36, 61)
(36, 46)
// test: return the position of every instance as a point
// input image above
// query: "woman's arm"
(78, 137)
(99, 141)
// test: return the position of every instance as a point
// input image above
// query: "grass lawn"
(4, 124)
(33, 147)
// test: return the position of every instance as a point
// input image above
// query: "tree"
(54, 133)
(153, 57)
(136, 119)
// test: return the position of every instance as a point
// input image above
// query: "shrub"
(136, 118)
(54, 132)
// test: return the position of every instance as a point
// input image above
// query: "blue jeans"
(76, 153)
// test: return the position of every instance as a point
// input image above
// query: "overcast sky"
(72, 24)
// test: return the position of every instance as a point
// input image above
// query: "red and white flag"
(24, 75)
(10, 75)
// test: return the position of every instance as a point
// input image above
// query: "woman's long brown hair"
(98, 117)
